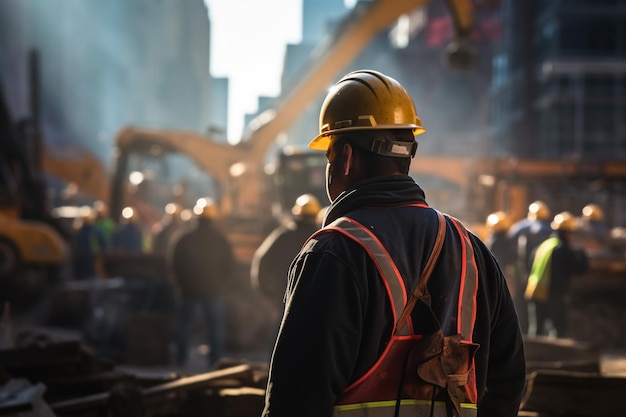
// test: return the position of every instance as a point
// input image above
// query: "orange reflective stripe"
(468, 285)
(382, 260)
(466, 310)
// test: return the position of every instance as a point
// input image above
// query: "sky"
(248, 42)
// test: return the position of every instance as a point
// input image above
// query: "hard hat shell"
(209, 211)
(499, 221)
(365, 100)
(592, 212)
(306, 205)
(564, 221)
(538, 210)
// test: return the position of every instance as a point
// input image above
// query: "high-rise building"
(105, 65)
(557, 101)
(559, 80)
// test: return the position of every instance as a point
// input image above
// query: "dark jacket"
(526, 235)
(202, 261)
(338, 317)
(566, 262)
(502, 248)
(271, 261)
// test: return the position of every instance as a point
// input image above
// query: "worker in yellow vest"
(555, 262)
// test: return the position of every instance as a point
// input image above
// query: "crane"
(245, 159)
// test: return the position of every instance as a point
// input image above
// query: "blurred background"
(141, 104)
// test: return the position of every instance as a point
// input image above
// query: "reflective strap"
(408, 408)
(468, 285)
(392, 279)
(420, 290)
(382, 260)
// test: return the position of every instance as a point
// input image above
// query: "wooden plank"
(547, 353)
(574, 394)
(185, 383)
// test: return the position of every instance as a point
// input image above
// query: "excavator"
(34, 244)
(251, 184)
(29, 237)
(242, 187)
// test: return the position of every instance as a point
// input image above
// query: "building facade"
(557, 97)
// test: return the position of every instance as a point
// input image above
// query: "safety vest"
(416, 375)
(539, 278)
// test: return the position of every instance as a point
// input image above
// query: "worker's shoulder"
(331, 239)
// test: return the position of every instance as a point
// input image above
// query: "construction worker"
(270, 263)
(500, 245)
(202, 261)
(129, 236)
(554, 264)
(89, 243)
(593, 232)
(104, 222)
(172, 220)
(375, 295)
(525, 236)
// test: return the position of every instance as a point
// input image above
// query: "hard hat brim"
(322, 141)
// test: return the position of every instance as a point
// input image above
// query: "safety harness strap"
(388, 269)
(420, 289)
(381, 258)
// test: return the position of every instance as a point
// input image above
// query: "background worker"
(270, 263)
(593, 233)
(171, 221)
(525, 236)
(502, 248)
(129, 236)
(202, 262)
(89, 244)
(341, 314)
(105, 223)
(555, 262)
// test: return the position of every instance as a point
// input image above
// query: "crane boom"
(336, 53)
(357, 30)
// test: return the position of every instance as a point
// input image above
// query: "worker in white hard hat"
(375, 295)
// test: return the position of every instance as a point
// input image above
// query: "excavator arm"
(336, 53)
(366, 21)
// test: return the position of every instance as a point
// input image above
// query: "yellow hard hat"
(564, 221)
(538, 210)
(498, 221)
(365, 100)
(307, 205)
(207, 209)
(593, 212)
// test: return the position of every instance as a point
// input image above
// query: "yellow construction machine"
(29, 237)
(239, 181)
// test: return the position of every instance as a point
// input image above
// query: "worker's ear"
(348, 159)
